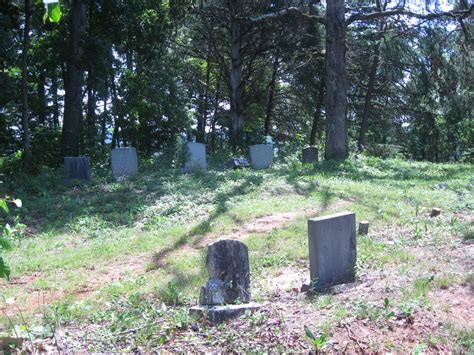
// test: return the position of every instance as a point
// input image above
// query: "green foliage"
(7, 232)
(318, 342)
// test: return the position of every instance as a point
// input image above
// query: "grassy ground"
(115, 265)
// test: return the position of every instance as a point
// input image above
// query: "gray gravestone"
(261, 156)
(332, 249)
(124, 161)
(229, 282)
(310, 155)
(77, 169)
(195, 157)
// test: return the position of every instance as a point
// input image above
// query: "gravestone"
(363, 227)
(435, 212)
(77, 169)
(332, 250)
(238, 163)
(309, 155)
(124, 161)
(195, 157)
(227, 293)
(261, 156)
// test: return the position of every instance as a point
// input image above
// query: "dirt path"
(30, 300)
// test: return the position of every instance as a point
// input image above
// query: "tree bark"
(42, 97)
(236, 107)
(202, 122)
(70, 140)
(25, 121)
(317, 111)
(91, 117)
(271, 95)
(214, 118)
(370, 89)
(336, 96)
(54, 93)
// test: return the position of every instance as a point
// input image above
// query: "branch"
(289, 10)
(455, 14)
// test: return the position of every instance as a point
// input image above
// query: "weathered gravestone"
(364, 227)
(195, 157)
(332, 250)
(309, 155)
(77, 169)
(226, 294)
(238, 163)
(124, 161)
(261, 156)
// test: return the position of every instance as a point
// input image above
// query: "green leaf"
(8, 229)
(5, 244)
(3, 205)
(18, 203)
(54, 12)
(309, 333)
(4, 269)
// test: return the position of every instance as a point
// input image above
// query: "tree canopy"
(387, 78)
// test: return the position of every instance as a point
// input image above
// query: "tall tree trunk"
(202, 122)
(236, 106)
(118, 118)
(103, 124)
(271, 95)
(91, 117)
(336, 96)
(42, 97)
(71, 134)
(25, 121)
(54, 93)
(214, 118)
(370, 88)
(317, 111)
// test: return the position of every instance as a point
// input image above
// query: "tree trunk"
(71, 134)
(91, 117)
(117, 116)
(336, 97)
(271, 94)
(202, 122)
(370, 89)
(54, 92)
(317, 111)
(25, 121)
(214, 118)
(103, 126)
(42, 97)
(236, 107)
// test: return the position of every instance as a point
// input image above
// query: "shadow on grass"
(222, 207)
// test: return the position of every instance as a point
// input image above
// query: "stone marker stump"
(309, 155)
(195, 157)
(124, 161)
(226, 294)
(77, 169)
(364, 227)
(261, 156)
(332, 250)
(435, 212)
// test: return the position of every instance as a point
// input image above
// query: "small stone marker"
(332, 250)
(196, 157)
(124, 161)
(229, 282)
(435, 212)
(363, 227)
(310, 155)
(261, 156)
(77, 169)
(238, 163)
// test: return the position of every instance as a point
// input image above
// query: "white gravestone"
(332, 249)
(261, 156)
(196, 157)
(124, 161)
